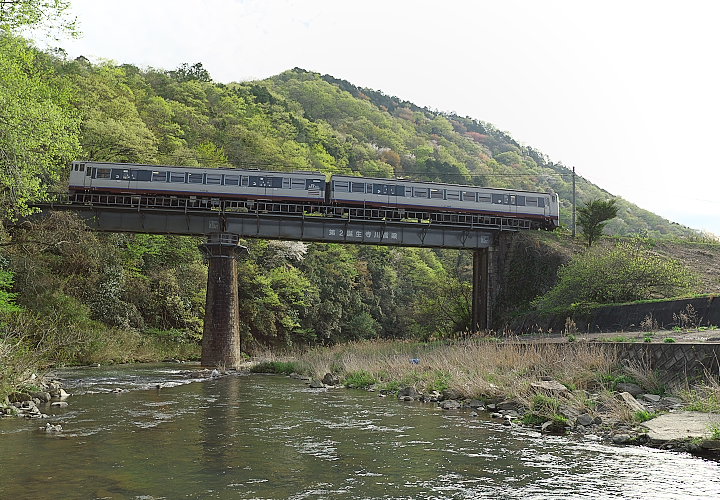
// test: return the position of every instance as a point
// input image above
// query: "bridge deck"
(290, 221)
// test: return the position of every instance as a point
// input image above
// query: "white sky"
(626, 91)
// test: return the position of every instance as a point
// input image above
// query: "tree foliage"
(38, 127)
(47, 14)
(593, 216)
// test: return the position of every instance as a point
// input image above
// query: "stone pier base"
(221, 343)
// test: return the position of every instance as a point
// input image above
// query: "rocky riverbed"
(669, 425)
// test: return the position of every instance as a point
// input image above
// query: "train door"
(120, 178)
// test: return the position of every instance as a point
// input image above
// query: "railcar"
(415, 195)
(312, 187)
(197, 181)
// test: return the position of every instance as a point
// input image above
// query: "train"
(543, 209)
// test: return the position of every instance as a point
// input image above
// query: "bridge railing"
(267, 208)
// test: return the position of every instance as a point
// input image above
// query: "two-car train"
(314, 188)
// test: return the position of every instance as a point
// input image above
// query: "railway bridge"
(224, 223)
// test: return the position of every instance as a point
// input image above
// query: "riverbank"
(581, 388)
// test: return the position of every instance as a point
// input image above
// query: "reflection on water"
(254, 436)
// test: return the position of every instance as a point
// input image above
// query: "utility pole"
(573, 213)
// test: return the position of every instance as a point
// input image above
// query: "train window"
(286, 183)
(341, 186)
(421, 192)
(469, 196)
(541, 202)
(298, 183)
(195, 178)
(531, 201)
(397, 190)
(232, 180)
(520, 201)
(120, 174)
(436, 194)
(75, 168)
(497, 199)
(213, 179)
(102, 173)
(245, 180)
(381, 189)
(177, 177)
(482, 198)
(510, 199)
(452, 194)
(82, 167)
(358, 187)
(141, 175)
(89, 171)
(274, 182)
(158, 176)
(314, 185)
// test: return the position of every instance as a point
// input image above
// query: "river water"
(264, 436)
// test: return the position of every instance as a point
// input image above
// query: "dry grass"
(475, 368)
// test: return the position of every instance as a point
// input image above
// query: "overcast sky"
(626, 91)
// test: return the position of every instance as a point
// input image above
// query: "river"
(264, 436)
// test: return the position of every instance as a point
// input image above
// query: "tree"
(186, 72)
(50, 14)
(593, 217)
(38, 128)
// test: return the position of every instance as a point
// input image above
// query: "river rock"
(552, 427)
(450, 404)
(408, 392)
(651, 398)
(43, 397)
(630, 402)
(432, 397)
(509, 404)
(474, 404)
(584, 420)
(621, 438)
(450, 394)
(52, 429)
(19, 397)
(633, 389)
(316, 384)
(711, 445)
(330, 379)
(552, 386)
(670, 401)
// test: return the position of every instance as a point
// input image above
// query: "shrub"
(282, 367)
(624, 273)
(360, 379)
(644, 415)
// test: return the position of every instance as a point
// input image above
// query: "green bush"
(644, 415)
(624, 273)
(282, 367)
(360, 379)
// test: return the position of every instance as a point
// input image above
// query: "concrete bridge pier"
(221, 344)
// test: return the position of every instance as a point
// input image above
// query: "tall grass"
(474, 368)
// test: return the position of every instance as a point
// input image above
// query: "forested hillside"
(56, 276)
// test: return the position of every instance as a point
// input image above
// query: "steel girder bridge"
(225, 222)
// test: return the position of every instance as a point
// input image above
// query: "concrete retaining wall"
(673, 362)
(694, 312)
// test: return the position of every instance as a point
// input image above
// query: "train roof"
(351, 177)
(144, 165)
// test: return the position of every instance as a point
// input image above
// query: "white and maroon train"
(313, 187)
